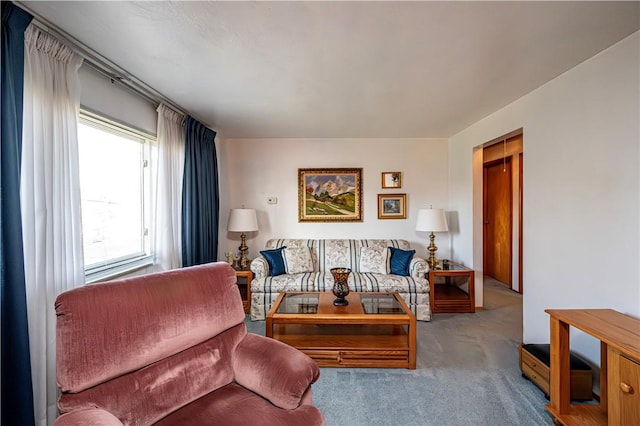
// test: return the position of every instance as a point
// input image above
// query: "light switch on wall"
(272, 200)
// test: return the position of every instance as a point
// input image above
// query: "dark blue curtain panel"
(17, 394)
(200, 195)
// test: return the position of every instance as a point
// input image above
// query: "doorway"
(502, 162)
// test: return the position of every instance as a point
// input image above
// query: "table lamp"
(243, 220)
(432, 220)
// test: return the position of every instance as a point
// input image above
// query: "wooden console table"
(619, 336)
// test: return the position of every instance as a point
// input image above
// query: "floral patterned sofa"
(306, 266)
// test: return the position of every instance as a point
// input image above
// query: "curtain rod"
(101, 64)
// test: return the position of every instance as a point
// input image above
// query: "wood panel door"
(498, 220)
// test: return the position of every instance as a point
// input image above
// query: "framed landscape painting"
(330, 195)
(392, 206)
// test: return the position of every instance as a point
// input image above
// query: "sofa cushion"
(365, 281)
(374, 259)
(400, 260)
(285, 282)
(298, 260)
(337, 254)
(275, 259)
(395, 283)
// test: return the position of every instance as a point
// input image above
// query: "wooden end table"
(373, 330)
(451, 288)
(243, 279)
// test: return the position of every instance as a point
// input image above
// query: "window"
(116, 188)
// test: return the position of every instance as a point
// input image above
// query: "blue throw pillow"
(400, 261)
(275, 260)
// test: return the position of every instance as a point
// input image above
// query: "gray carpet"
(467, 374)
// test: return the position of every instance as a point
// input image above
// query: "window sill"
(122, 268)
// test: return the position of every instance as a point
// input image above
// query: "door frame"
(520, 228)
(482, 152)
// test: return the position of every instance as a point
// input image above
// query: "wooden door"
(498, 219)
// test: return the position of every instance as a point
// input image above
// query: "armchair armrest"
(274, 370)
(88, 416)
(259, 267)
(418, 267)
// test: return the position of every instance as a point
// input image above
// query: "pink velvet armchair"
(171, 348)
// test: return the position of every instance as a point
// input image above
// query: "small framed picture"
(392, 206)
(391, 180)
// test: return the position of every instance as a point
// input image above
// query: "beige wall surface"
(112, 100)
(251, 170)
(581, 191)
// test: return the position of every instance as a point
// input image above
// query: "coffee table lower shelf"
(379, 346)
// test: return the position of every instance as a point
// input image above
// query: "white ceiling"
(343, 69)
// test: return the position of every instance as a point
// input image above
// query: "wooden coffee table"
(374, 330)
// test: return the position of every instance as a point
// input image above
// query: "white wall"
(253, 169)
(581, 190)
(113, 100)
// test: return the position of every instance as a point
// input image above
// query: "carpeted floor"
(467, 374)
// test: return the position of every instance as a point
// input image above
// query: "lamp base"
(432, 261)
(244, 260)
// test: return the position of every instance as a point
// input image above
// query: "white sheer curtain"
(50, 201)
(168, 212)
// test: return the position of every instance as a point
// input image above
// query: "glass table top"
(380, 304)
(448, 265)
(371, 304)
(299, 304)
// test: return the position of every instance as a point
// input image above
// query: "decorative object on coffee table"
(340, 285)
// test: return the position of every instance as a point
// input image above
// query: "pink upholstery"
(284, 390)
(89, 416)
(241, 408)
(151, 348)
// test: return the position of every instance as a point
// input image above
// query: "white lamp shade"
(431, 220)
(242, 220)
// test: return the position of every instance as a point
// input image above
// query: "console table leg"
(559, 368)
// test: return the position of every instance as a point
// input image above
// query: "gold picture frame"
(391, 180)
(392, 206)
(330, 195)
